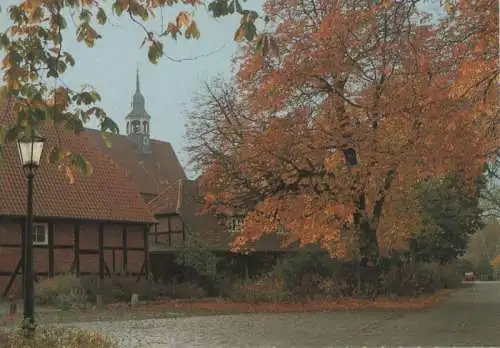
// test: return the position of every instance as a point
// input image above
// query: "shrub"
(448, 274)
(201, 260)
(120, 288)
(63, 291)
(186, 290)
(75, 299)
(55, 338)
(334, 288)
(110, 290)
(269, 287)
(297, 269)
(410, 280)
(315, 274)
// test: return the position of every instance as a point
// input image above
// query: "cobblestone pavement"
(469, 318)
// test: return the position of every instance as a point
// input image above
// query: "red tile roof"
(106, 195)
(167, 200)
(148, 172)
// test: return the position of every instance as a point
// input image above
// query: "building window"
(280, 231)
(235, 224)
(40, 234)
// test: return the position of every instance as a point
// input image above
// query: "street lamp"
(30, 151)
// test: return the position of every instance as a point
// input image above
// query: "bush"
(411, 280)
(55, 338)
(334, 288)
(309, 275)
(269, 287)
(186, 290)
(201, 260)
(298, 269)
(448, 274)
(75, 299)
(62, 291)
(121, 288)
(110, 290)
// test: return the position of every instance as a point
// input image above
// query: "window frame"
(45, 230)
(235, 223)
(280, 231)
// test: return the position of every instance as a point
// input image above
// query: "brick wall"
(10, 233)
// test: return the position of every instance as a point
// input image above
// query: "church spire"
(137, 82)
(138, 119)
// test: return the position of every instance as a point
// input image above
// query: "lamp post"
(30, 151)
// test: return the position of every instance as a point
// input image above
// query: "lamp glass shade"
(30, 150)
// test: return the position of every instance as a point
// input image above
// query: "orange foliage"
(408, 96)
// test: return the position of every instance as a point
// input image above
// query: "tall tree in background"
(360, 100)
(450, 217)
(490, 195)
(484, 247)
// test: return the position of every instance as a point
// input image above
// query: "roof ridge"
(86, 129)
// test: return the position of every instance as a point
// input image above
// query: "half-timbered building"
(95, 224)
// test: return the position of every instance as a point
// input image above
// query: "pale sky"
(110, 67)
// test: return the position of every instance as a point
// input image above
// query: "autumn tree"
(35, 58)
(355, 102)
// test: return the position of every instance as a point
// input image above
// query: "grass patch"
(55, 338)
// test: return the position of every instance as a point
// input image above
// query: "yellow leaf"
(182, 19)
(240, 34)
(69, 175)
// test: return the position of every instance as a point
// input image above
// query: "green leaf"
(240, 34)
(192, 31)
(75, 125)
(155, 51)
(219, 8)
(61, 21)
(250, 31)
(56, 156)
(12, 133)
(4, 41)
(101, 16)
(117, 8)
(81, 164)
(107, 141)
(69, 59)
(108, 124)
(239, 9)
(85, 15)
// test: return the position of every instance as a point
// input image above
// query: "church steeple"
(137, 83)
(138, 119)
